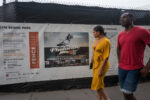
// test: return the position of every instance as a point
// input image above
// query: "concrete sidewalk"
(143, 93)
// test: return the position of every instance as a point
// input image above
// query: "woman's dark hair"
(99, 29)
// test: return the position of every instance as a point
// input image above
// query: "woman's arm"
(106, 57)
(92, 60)
(102, 67)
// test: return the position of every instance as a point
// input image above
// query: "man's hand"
(149, 45)
(144, 71)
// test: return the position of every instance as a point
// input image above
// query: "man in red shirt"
(130, 51)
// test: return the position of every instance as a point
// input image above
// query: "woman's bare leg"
(103, 94)
(99, 95)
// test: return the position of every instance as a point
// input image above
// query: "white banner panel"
(40, 52)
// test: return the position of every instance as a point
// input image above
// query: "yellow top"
(100, 53)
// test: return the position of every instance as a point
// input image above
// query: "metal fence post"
(4, 2)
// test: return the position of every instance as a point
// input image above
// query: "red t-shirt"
(132, 46)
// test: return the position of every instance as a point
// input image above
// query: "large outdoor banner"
(41, 52)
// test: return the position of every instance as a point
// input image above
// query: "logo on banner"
(34, 49)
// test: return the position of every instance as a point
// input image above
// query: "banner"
(42, 52)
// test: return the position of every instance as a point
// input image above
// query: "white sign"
(40, 52)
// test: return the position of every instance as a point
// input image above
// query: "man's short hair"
(129, 14)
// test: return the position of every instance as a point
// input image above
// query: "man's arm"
(145, 70)
(149, 45)
(118, 53)
(148, 63)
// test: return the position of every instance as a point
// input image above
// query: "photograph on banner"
(111, 34)
(66, 49)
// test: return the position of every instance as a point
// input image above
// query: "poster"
(66, 49)
(13, 53)
(19, 52)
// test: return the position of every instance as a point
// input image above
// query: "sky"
(127, 4)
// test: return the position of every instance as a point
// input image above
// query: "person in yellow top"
(101, 51)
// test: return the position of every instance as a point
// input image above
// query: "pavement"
(142, 93)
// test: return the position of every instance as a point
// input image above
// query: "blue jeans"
(128, 80)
